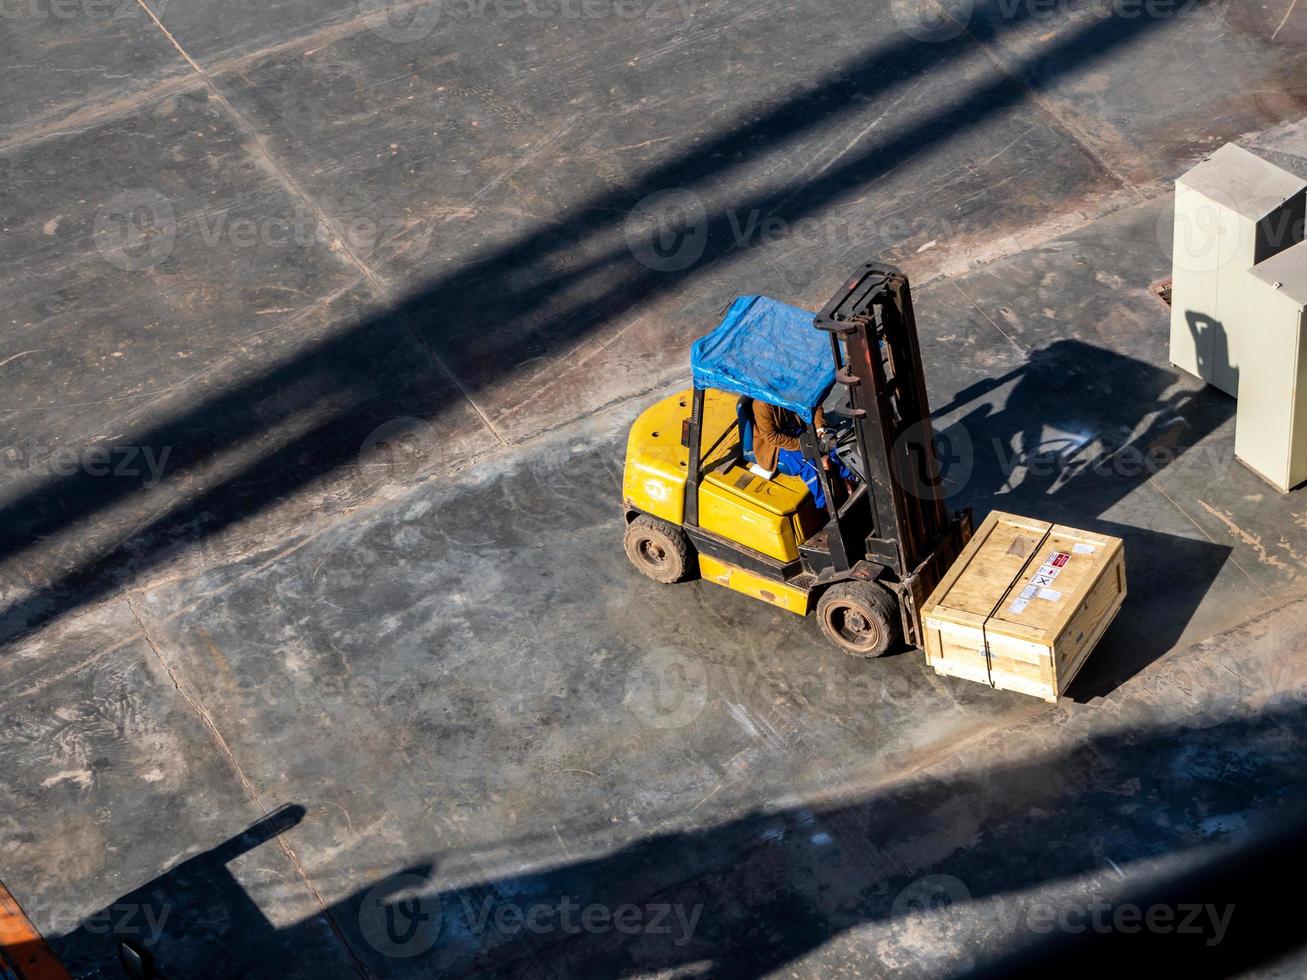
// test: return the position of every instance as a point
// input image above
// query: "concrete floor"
(325, 324)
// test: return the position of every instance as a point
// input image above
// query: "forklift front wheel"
(657, 549)
(860, 618)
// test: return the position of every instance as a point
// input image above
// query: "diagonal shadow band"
(951, 871)
(527, 305)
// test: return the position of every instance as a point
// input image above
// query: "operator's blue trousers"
(791, 462)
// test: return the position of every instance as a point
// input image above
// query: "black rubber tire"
(861, 618)
(658, 549)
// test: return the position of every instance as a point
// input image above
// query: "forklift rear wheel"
(860, 618)
(658, 549)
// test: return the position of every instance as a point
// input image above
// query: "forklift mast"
(873, 335)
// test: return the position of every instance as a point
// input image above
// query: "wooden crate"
(1024, 605)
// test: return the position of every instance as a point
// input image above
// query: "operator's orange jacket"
(775, 429)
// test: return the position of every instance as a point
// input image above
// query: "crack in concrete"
(1287, 14)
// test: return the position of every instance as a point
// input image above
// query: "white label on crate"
(1052, 595)
(1019, 605)
(1050, 571)
(1028, 592)
(1083, 549)
(1041, 580)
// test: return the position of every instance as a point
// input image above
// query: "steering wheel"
(846, 444)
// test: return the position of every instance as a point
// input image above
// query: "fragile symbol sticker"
(1058, 558)
(1052, 595)
(1051, 571)
(1042, 580)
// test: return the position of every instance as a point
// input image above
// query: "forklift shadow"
(1074, 433)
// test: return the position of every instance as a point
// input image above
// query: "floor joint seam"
(269, 161)
(111, 109)
(1073, 132)
(97, 115)
(246, 784)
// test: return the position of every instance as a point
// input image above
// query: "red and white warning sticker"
(1041, 582)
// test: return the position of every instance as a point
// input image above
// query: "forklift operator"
(776, 448)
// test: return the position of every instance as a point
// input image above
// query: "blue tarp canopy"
(766, 350)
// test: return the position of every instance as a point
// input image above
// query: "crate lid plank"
(1045, 595)
(977, 582)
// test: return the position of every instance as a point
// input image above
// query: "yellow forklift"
(883, 540)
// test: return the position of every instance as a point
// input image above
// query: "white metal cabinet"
(1270, 433)
(1232, 211)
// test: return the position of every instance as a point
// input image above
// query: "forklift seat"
(744, 417)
